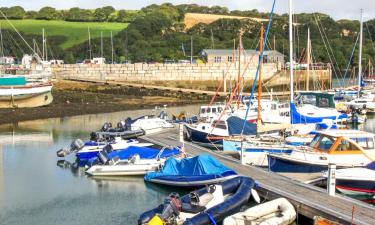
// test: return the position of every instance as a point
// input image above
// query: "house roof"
(229, 52)
(222, 52)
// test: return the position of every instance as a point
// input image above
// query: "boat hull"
(26, 97)
(356, 187)
(197, 181)
(202, 137)
(122, 170)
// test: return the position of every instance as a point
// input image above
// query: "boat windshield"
(365, 143)
(326, 143)
(315, 140)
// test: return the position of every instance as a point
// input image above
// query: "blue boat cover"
(371, 166)
(297, 118)
(202, 165)
(143, 152)
(235, 125)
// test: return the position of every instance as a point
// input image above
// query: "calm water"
(36, 189)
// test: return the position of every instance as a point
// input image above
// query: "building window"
(217, 58)
(230, 58)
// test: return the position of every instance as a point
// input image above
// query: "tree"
(102, 14)
(47, 13)
(15, 12)
(77, 14)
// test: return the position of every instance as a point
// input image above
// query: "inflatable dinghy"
(205, 206)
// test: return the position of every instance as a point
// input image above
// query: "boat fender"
(255, 195)
(156, 220)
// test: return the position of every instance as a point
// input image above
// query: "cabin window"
(323, 102)
(315, 140)
(218, 59)
(230, 58)
(203, 110)
(203, 127)
(220, 124)
(209, 110)
(346, 145)
(326, 143)
(214, 110)
(273, 107)
(220, 109)
(365, 143)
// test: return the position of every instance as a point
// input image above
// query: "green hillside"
(75, 32)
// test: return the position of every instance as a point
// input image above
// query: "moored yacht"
(345, 148)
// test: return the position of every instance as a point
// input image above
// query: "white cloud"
(336, 8)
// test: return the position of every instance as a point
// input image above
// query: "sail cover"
(202, 165)
(235, 125)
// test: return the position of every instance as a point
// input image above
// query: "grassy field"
(75, 32)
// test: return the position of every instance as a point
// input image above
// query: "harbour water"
(36, 188)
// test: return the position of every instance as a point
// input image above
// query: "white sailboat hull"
(25, 96)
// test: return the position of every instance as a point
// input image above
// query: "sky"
(338, 9)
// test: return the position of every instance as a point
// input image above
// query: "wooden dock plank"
(309, 201)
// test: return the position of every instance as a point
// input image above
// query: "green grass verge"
(75, 32)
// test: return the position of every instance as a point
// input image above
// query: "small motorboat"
(149, 124)
(191, 172)
(276, 212)
(345, 148)
(103, 157)
(89, 152)
(255, 150)
(356, 181)
(209, 205)
(214, 132)
(131, 167)
(107, 132)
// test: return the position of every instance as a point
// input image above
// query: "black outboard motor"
(108, 149)
(106, 126)
(103, 157)
(63, 152)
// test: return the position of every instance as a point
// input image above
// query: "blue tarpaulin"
(190, 167)
(143, 152)
(235, 125)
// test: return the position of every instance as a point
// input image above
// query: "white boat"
(356, 181)
(19, 94)
(367, 103)
(131, 167)
(150, 124)
(276, 212)
(344, 148)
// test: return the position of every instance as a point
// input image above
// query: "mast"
(291, 50)
(112, 46)
(239, 70)
(43, 40)
(360, 55)
(260, 75)
(308, 59)
(101, 44)
(1, 40)
(191, 49)
(88, 30)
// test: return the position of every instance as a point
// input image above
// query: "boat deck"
(308, 200)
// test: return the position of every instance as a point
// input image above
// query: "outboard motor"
(63, 152)
(106, 126)
(77, 144)
(170, 210)
(121, 125)
(74, 146)
(108, 149)
(103, 157)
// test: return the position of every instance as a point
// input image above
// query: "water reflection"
(36, 188)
